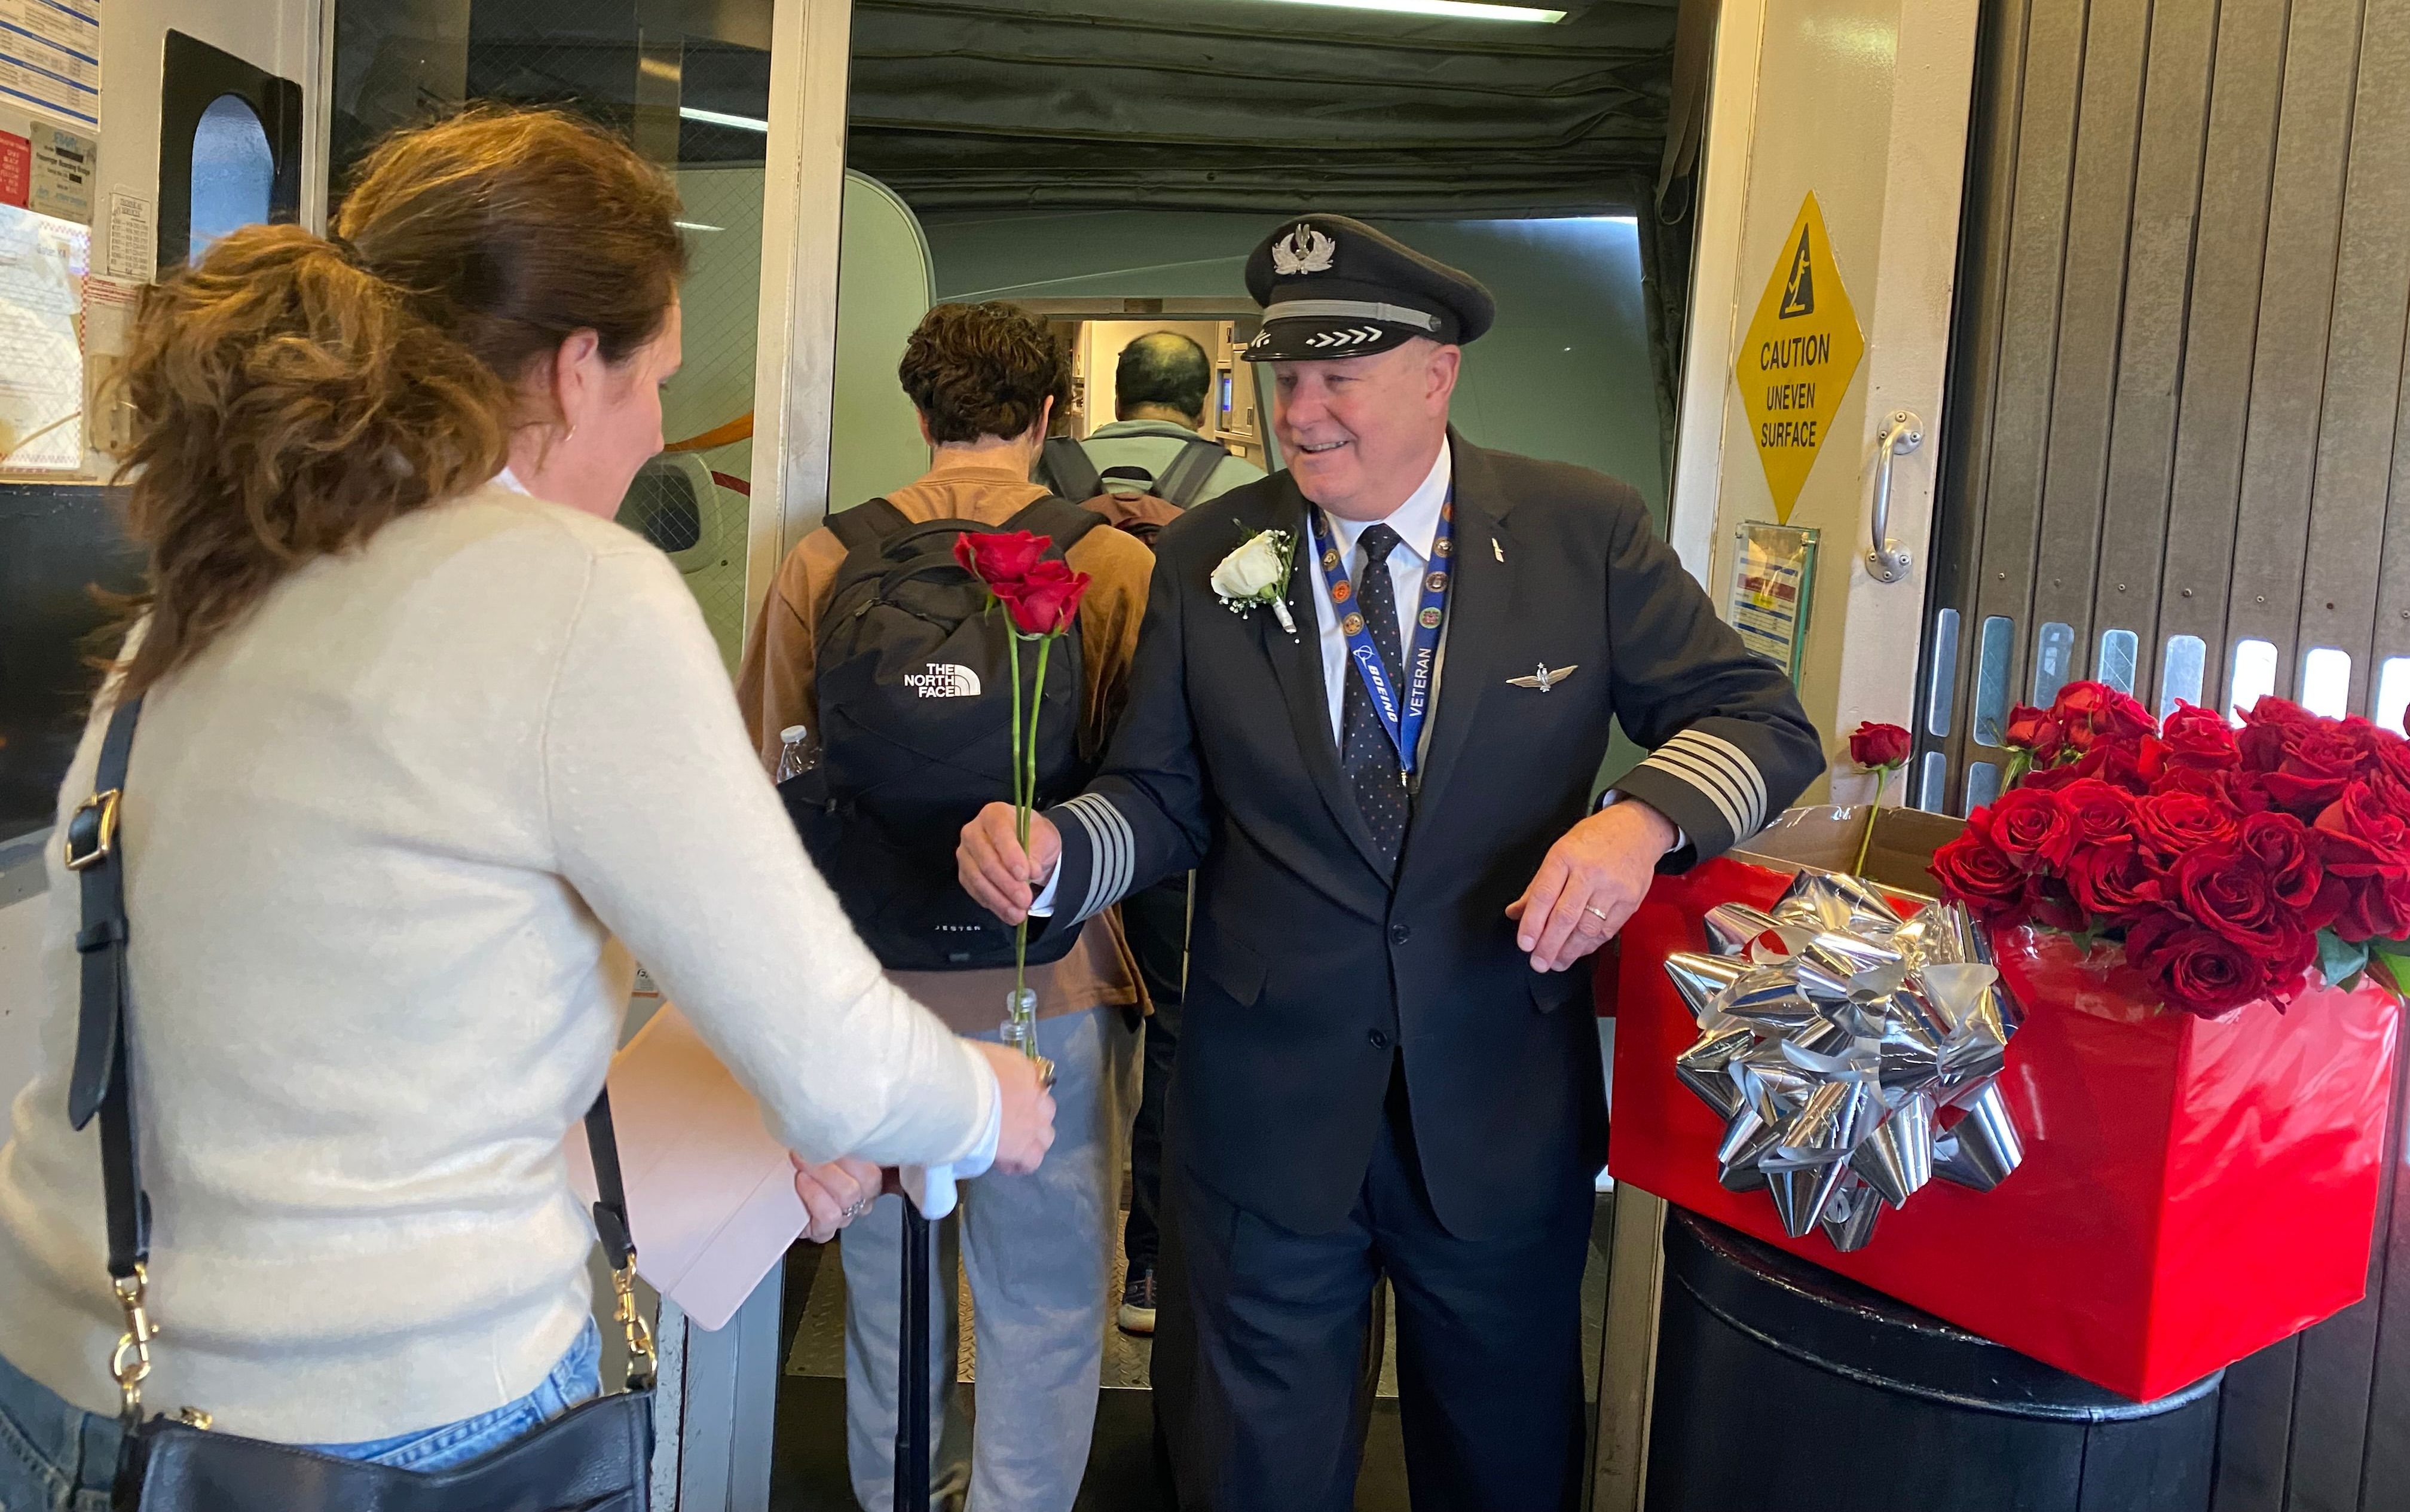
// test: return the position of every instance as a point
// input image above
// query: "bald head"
(1161, 375)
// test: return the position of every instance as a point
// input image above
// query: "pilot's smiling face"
(1359, 434)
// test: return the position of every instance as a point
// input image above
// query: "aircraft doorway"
(1111, 174)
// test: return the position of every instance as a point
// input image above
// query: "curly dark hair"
(977, 371)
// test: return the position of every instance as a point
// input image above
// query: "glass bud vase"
(1020, 1020)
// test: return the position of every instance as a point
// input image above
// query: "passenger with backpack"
(877, 641)
(1153, 448)
(1140, 472)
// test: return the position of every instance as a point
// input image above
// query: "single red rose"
(997, 557)
(2199, 737)
(2030, 824)
(2177, 822)
(2049, 903)
(2316, 765)
(2367, 826)
(1043, 602)
(2199, 971)
(2033, 730)
(2099, 813)
(2269, 726)
(1974, 871)
(2227, 889)
(2284, 846)
(1878, 745)
(2119, 884)
(2094, 713)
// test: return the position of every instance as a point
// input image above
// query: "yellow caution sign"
(1801, 350)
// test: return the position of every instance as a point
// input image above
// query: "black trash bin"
(1784, 1388)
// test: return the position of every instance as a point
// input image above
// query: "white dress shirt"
(1417, 522)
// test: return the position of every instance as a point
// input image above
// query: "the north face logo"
(944, 681)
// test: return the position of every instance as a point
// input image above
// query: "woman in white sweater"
(426, 738)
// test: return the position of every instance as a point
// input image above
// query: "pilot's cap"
(1334, 287)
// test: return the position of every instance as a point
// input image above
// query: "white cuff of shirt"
(1615, 796)
(932, 1187)
(1044, 905)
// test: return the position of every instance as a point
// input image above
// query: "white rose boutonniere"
(1257, 573)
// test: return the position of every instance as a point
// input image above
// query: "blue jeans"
(56, 1458)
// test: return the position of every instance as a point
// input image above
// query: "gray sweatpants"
(1038, 1250)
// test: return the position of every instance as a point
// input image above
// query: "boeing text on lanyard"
(1403, 718)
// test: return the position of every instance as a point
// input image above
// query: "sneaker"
(1138, 1302)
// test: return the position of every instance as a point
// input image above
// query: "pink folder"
(711, 1194)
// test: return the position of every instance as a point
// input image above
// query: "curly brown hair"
(977, 371)
(293, 394)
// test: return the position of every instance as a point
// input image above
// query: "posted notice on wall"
(43, 260)
(50, 59)
(1774, 576)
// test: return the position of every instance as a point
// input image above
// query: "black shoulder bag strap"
(1189, 471)
(1068, 471)
(102, 1083)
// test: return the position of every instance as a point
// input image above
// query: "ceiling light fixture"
(742, 123)
(1452, 9)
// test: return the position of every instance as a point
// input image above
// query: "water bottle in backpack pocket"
(916, 701)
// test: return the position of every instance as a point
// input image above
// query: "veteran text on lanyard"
(1402, 717)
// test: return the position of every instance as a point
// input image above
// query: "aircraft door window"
(234, 171)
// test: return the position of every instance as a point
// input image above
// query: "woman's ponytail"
(292, 394)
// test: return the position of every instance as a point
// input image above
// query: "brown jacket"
(776, 687)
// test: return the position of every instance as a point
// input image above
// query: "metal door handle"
(1903, 433)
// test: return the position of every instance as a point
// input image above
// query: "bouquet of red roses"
(2228, 862)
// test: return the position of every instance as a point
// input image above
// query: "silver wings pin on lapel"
(1543, 678)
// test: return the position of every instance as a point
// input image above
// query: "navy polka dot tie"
(1365, 751)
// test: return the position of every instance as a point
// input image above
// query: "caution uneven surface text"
(1797, 358)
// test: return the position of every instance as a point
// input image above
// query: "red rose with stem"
(1039, 597)
(1881, 749)
(999, 558)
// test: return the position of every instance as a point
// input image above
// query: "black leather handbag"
(594, 1459)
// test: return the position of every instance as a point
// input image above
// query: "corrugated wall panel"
(2296, 302)
(2222, 329)
(2151, 349)
(2364, 386)
(2100, 206)
(2029, 360)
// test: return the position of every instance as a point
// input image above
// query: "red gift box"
(2192, 1190)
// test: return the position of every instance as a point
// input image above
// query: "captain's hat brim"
(1322, 330)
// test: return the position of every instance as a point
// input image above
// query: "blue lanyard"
(1402, 717)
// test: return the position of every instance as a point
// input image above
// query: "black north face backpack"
(916, 733)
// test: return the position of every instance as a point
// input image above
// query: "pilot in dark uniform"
(1381, 769)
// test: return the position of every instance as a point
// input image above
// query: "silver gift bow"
(1832, 1037)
